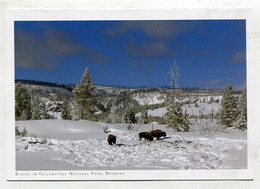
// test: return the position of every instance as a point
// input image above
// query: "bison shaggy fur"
(146, 136)
(158, 133)
(111, 139)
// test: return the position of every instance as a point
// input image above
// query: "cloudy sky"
(209, 53)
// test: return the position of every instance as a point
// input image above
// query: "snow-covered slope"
(83, 145)
(149, 98)
(201, 109)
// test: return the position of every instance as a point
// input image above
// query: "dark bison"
(111, 139)
(146, 136)
(158, 133)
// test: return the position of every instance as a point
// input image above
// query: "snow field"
(203, 108)
(169, 153)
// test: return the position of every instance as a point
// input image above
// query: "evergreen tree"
(241, 121)
(174, 115)
(129, 116)
(228, 111)
(22, 103)
(84, 95)
(185, 122)
(144, 117)
(65, 113)
(36, 115)
(242, 105)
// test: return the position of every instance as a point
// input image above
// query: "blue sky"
(209, 53)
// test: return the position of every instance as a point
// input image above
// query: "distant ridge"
(70, 87)
(44, 83)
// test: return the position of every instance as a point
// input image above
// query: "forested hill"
(44, 83)
(138, 89)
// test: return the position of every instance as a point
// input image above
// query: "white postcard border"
(123, 14)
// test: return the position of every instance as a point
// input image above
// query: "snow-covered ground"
(202, 108)
(82, 145)
(149, 98)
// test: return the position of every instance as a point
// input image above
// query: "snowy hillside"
(112, 90)
(149, 98)
(50, 90)
(201, 108)
(82, 145)
(51, 99)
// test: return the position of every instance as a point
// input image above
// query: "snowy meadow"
(82, 145)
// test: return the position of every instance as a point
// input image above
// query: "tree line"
(233, 112)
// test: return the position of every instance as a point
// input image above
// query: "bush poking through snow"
(24, 132)
(17, 132)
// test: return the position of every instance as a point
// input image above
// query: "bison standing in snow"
(111, 139)
(146, 136)
(157, 133)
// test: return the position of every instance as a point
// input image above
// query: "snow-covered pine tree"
(242, 105)
(129, 116)
(185, 122)
(84, 95)
(22, 103)
(228, 110)
(144, 117)
(174, 115)
(241, 121)
(36, 115)
(65, 112)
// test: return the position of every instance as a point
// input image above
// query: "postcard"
(129, 94)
